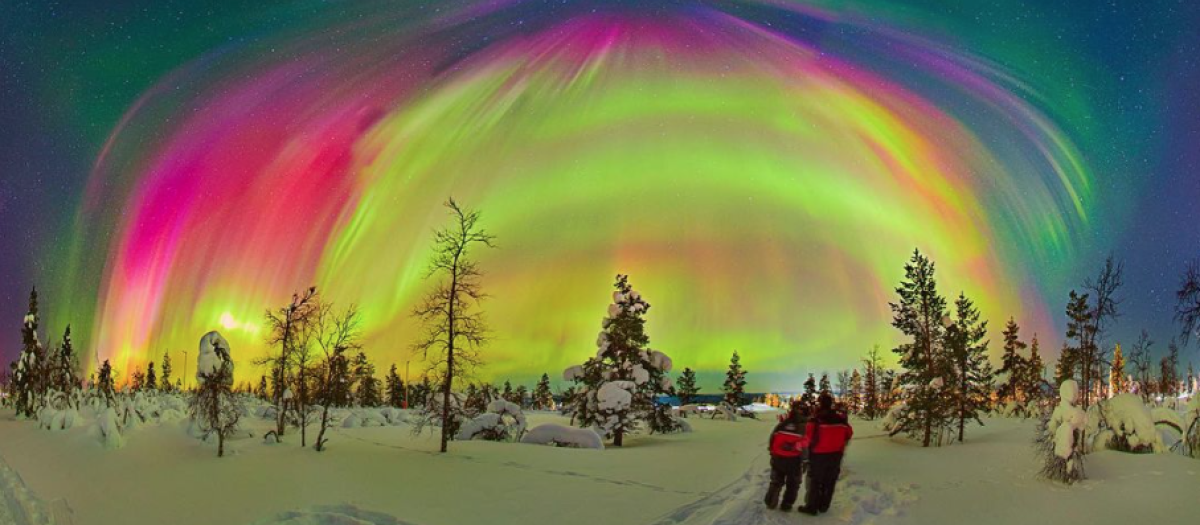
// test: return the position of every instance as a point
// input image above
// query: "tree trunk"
(220, 443)
(449, 354)
(617, 438)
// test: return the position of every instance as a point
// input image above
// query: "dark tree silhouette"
(454, 329)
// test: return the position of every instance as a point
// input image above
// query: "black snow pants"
(786, 474)
(823, 472)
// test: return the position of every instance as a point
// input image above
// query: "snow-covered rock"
(563, 436)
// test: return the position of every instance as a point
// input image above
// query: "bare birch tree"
(454, 328)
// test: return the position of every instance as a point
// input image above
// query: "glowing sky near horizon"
(762, 170)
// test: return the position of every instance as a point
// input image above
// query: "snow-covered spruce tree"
(1116, 372)
(27, 381)
(1013, 365)
(967, 351)
(394, 388)
(1061, 438)
(825, 388)
(618, 387)
(214, 406)
(919, 313)
(734, 386)
(686, 388)
(453, 331)
(543, 398)
(105, 387)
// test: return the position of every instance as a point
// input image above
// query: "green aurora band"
(762, 170)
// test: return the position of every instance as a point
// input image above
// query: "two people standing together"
(818, 437)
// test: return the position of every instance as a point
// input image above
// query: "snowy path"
(856, 501)
(528, 468)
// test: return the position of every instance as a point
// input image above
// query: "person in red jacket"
(787, 446)
(828, 433)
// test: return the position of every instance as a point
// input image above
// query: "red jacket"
(828, 433)
(788, 440)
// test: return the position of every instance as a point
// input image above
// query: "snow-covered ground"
(715, 475)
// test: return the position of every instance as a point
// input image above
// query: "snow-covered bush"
(563, 436)
(214, 407)
(1064, 429)
(1130, 426)
(504, 421)
(663, 422)
(1191, 428)
(108, 425)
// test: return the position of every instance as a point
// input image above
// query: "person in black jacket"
(828, 433)
(787, 446)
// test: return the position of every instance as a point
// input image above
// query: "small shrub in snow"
(1065, 430)
(1131, 426)
(562, 436)
(1190, 443)
(504, 421)
(663, 422)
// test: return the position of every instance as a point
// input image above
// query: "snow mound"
(550, 434)
(332, 515)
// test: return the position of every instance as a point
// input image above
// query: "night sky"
(172, 167)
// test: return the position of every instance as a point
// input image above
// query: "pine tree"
(825, 389)
(104, 383)
(165, 382)
(65, 375)
(1170, 371)
(872, 402)
(617, 388)
(1116, 376)
(395, 388)
(1034, 369)
(263, 392)
(368, 386)
(151, 377)
(809, 398)
(919, 316)
(137, 380)
(1013, 365)
(507, 395)
(856, 394)
(735, 383)
(686, 388)
(543, 398)
(967, 351)
(1078, 330)
(1064, 368)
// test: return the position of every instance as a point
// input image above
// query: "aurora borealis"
(761, 170)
